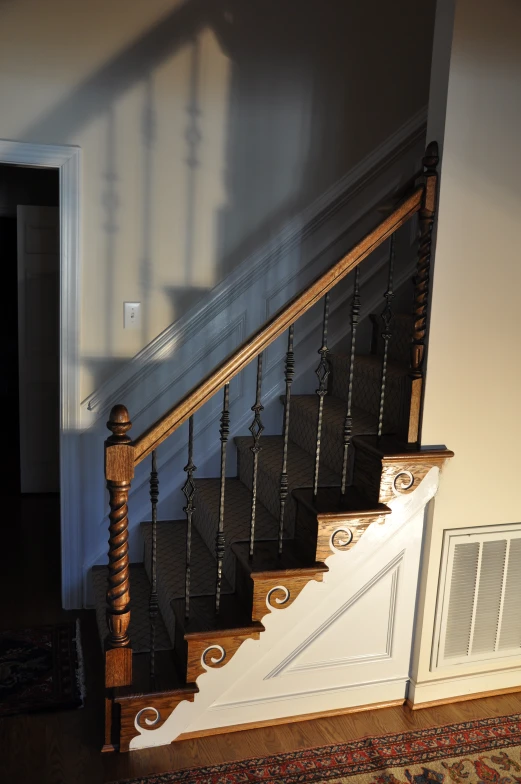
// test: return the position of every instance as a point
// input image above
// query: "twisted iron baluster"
(225, 431)
(153, 603)
(189, 509)
(289, 374)
(387, 317)
(348, 424)
(255, 429)
(322, 373)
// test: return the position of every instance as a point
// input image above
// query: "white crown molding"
(255, 266)
(67, 159)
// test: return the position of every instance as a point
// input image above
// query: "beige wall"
(286, 98)
(472, 401)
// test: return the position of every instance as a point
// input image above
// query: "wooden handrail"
(284, 318)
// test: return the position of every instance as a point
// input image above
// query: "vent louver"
(479, 607)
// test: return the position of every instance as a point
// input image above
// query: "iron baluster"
(153, 602)
(220, 542)
(283, 492)
(387, 318)
(322, 373)
(348, 424)
(189, 509)
(255, 429)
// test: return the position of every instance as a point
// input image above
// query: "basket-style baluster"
(322, 373)
(189, 509)
(220, 541)
(387, 318)
(256, 429)
(348, 423)
(283, 492)
(153, 603)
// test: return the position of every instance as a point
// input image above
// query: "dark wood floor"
(63, 747)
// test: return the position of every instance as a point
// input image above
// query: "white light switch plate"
(132, 315)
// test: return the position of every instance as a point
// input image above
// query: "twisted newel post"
(119, 471)
(427, 216)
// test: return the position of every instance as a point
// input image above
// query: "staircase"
(251, 543)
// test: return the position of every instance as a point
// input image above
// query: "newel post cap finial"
(119, 423)
(431, 157)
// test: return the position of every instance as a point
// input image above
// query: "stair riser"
(215, 650)
(130, 707)
(400, 342)
(206, 522)
(366, 392)
(163, 600)
(341, 535)
(303, 431)
(268, 490)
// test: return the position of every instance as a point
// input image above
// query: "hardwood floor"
(64, 747)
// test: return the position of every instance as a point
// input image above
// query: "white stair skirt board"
(344, 642)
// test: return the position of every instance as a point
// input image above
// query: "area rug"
(486, 751)
(40, 669)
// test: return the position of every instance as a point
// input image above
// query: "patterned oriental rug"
(40, 669)
(485, 752)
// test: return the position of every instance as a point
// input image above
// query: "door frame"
(67, 159)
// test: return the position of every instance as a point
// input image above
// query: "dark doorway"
(29, 354)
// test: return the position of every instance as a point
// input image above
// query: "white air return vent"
(478, 616)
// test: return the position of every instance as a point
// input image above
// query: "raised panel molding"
(386, 622)
(246, 691)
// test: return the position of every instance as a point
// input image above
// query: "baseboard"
(462, 698)
(464, 687)
(255, 725)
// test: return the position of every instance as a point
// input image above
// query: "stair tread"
(139, 628)
(301, 464)
(372, 363)
(237, 510)
(329, 500)
(203, 618)
(266, 558)
(393, 448)
(171, 560)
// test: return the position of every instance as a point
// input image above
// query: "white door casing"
(344, 642)
(67, 159)
(38, 252)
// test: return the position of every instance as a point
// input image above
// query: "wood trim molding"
(288, 720)
(197, 397)
(67, 159)
(462, 698)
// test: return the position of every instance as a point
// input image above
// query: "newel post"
(427, 216)
(119, 471)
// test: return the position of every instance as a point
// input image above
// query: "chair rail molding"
(67, 159)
